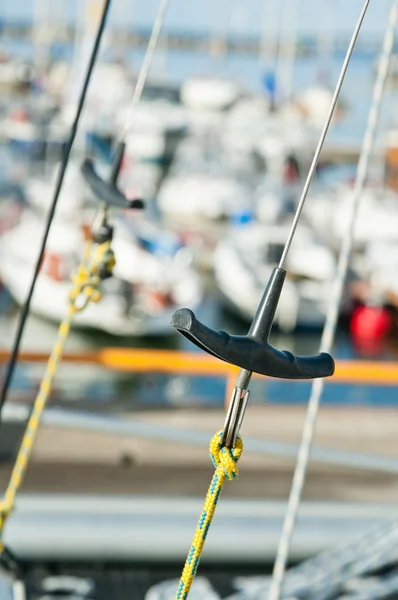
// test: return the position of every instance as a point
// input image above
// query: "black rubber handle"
(253, 352)
(249, 354)
(107, 191)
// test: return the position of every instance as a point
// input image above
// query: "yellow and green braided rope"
(25, 450)
(86, 283)
(225, 462)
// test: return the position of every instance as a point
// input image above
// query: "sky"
(232, 16)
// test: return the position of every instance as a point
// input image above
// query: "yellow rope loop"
(85, 289)
(226, 458)
(225, 462)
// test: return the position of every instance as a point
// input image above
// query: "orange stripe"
(366, 372)
(192, 363)
(72, 357)
(165, 361)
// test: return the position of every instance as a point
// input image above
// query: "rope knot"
(105, 261)
(226, 458)
(89, 276)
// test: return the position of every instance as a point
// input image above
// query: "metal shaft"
(260, 330)
(117, 159)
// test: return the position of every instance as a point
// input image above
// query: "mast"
(122, 28)
(269, 54)
(326, 42)
(87, 16)
(43, 35)
(287, 50)
(278, 43)
(218, 43)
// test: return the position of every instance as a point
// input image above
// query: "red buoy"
(369, 327)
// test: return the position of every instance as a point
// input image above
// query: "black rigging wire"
(64, 163)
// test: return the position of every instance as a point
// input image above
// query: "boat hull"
(110, 315)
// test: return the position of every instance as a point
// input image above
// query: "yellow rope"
(85, 290)
(225, 462)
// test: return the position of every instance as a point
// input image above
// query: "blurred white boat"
(10, 213)
(155, 132)
(157, 128)
(111, 88)
(139, 300)
(376, 269)
(33, 132)
(274, 202)
(205, 122)
(39, 191)
(376, 220)
(138, 180)
(157, 125)
(244, 122)
(211, 93)
(252, 129)
(311, 105)
(147, 255)
(282, 137)
(18, 128)
(11, 206)
(200, 185)
(201, 195)
(243, 263)
(15, 73)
